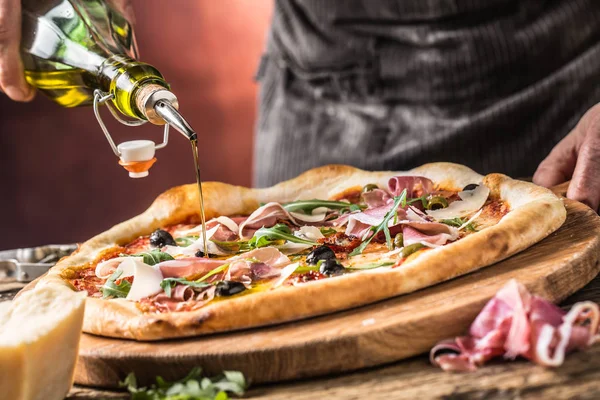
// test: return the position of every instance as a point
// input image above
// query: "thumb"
(558, 167)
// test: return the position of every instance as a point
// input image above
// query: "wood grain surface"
(364, 337)
(577, 378)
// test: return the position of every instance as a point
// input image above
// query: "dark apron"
(390, 85)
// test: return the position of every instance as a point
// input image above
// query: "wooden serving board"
(375, 334)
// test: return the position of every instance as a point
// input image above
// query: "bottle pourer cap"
(137, 156)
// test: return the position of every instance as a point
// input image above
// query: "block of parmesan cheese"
(39, 340)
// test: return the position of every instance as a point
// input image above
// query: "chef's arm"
(12, 79)
(576, 157)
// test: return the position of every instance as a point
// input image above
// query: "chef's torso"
(383, 84)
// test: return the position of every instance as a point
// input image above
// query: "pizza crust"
(535, 212)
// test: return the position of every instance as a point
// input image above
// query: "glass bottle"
(81, 52)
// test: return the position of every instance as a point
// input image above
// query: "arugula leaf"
(186, 240)
(236, 377)
(193, 387)
(266, 236)
(383, 226)
(327, 231)
(458, 222)
(422, 199)
(307, 268)
(113, 289)
(372, 265)
(215, 271)
(151, 257)
(168, 283)
(455, 222)
(309, 205)
(236, 247)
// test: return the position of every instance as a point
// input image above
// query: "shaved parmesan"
(225, 221)
(146, 279)
(471, 201)
(106, 268)
(268, 255)
(320, 210)
(193, 248)
(317, 215)
(293, 248)
(229, 224)
(309, 232)
(286, 273)
(308, 218)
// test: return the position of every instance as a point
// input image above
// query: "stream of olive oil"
(195, 149)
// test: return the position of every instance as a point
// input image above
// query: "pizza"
(333, 238)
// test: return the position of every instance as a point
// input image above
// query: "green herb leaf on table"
(113, 289)
(193, 387)
(267, 236)
(169, 283)
(383, 226)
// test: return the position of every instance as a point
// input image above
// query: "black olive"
(320, 253)
(160, 238)
(331, 267)
(200, 253)
(229, 288)
(470, 186)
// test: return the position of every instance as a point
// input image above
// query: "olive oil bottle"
(72, 47)
(83, 52)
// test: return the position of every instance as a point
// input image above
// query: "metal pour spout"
(172, 117)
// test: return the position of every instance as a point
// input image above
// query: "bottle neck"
(135, 86)
(140, 91)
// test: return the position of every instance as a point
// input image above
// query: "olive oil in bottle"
(83, 52)
(70, 48)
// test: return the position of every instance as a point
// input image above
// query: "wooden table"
(415, 378)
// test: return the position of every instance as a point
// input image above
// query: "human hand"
(12, 78)
(576, 157)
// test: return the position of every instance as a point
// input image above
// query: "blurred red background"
(61, 182)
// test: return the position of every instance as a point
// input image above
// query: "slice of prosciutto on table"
(516, 323)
